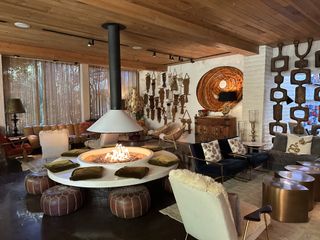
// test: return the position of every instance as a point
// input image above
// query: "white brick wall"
(255, 88)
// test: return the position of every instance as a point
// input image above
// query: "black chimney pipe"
(114, 63)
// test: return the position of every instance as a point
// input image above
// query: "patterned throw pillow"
(299, 145)
(211, 151)
(236, 146)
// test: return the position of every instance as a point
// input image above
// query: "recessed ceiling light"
(22, 25)
(136, 47)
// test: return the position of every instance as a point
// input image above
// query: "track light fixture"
(180, 59)
(154, 54)
(90, 42)
(191, 60)
(171, 58)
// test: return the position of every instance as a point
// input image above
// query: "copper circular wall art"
(217, 80)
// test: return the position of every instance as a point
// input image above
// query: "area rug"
(172, 211)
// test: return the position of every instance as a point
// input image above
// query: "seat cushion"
(224, 147)
(196, 150)
(280, 142)
(231, 167)
(315, 146)
(257, 159)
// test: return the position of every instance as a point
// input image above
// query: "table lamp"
(227, 97)
(253, 115)
(15, 106)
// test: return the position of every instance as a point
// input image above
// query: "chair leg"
(245, 230)
(265, 222)
(186, 237)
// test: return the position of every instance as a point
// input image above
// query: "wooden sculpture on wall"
(148, 81)
(186, 83)
(161, 96)
(167, 95)
(215, 81)
(278, 79)
(186, 119)
(159, 112)
(153, 84)
(164, 79)
(300, 96)
(182, 102)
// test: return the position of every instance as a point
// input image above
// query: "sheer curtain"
(100, 92)
(61, 93)
(50, 92)
(20, 79)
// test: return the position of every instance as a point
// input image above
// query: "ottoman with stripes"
(61, 200)
(129, 202)
(37, 183)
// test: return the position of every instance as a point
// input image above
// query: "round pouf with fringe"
(37, 183)
(61, 200)
(129, 202)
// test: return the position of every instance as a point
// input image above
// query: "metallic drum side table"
(301, 178)
(289, 200)
(312, 171)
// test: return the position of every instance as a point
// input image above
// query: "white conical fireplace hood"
(115, 120)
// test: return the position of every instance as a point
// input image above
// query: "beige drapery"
(50, 92)
(61, 90)
(20, 81)
(100, 92)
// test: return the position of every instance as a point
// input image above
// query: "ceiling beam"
(202, 34)
(68, 56)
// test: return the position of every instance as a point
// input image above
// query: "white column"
(257, 74)
(2, 111)
(85, 92)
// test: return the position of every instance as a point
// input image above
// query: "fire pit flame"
(119, 153)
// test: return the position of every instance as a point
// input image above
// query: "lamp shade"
(227, 96)
(15, 105)
(115, 121)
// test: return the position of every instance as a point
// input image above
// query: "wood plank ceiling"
(192, 29)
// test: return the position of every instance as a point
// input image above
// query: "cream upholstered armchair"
(53, 143)
(206, 212)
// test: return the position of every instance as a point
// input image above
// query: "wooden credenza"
(210, 128)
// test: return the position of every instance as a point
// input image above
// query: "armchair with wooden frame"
(14, 148)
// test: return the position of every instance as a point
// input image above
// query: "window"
(100, 89)
(49, 91)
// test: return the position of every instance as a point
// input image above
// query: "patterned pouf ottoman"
(129, 202)
(61, 200)
(37, 183)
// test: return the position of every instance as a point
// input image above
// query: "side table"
(301, 178)
(312, 171)
(289, 200)
(254, 146)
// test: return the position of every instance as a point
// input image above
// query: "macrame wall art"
(299, 76)
(166, 96)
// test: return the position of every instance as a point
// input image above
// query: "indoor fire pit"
(117, 156)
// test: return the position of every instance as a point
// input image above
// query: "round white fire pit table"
(109, 180)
